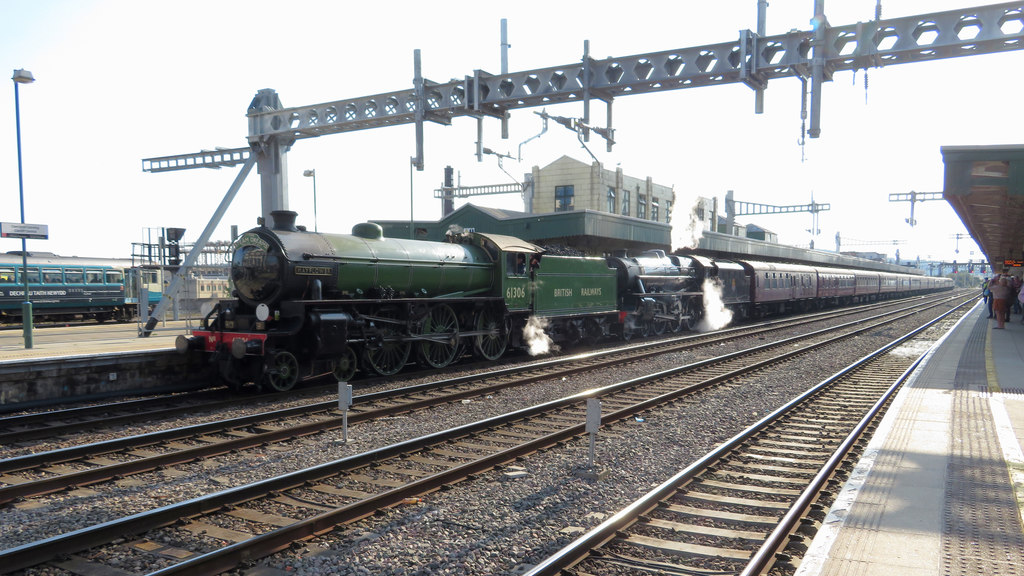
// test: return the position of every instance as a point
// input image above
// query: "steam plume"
(536, 338)
(716, 315)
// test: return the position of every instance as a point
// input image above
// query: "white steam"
(687, 228)
(536, 338)
(716, 315)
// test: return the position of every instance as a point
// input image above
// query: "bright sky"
(122, 80)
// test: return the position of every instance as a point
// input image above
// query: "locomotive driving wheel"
(692, 314)
(442, 327)
(385, 353)
(345, 365)
(282, 371)
(677, 310)
(660, 324)
(490, 346)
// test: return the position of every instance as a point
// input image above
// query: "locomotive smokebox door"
(332, 332)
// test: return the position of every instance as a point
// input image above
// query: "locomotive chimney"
(284, 220)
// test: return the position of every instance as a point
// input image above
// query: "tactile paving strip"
(982, 532)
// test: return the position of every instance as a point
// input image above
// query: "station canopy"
(985, 186)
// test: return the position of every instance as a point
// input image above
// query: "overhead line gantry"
(813, 56)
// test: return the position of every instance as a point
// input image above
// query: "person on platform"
(986, 296)
(1001, 300)
(988, 290)
(1020, 301)
(1015, 286)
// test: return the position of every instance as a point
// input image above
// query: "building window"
(641, 206)
(625, 202)
(668, 211)
(563, 198)
(654, 209)
(611, 200)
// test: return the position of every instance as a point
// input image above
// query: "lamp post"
(23, 77)
(312, 174)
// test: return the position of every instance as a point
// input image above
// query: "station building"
(568, 184)
(589, 209)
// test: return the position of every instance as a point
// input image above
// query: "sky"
(122, 80)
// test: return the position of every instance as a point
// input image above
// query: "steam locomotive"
(312, 303)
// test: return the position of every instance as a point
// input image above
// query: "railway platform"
(93, 362)
(940, 488)
(72, 341)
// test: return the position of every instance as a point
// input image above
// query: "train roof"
(757, 265)
(509, 243)
(14, 258)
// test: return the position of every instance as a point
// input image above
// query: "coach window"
(115, 277)
(7, 276)
(52, 276)
(94, 277)
(73, 275)
(33, 275)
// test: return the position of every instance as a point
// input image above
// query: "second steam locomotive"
(311, 303)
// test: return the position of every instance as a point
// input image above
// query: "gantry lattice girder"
(216, 159)
(486, 189)
(752, 208)
(750, 59)
(915, 196)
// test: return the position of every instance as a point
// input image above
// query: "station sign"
(1008, 263)
(22, 230)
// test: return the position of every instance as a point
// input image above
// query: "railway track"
(234, 526)
(54, 423)
(751, 506)
(43, 472)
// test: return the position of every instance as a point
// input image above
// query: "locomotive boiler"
(306, 301)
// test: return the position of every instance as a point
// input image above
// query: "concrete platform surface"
(61, 341)
(940, 488)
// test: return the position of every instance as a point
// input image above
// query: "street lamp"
(312, 174)
(23, 77)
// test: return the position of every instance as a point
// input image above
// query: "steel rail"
(35, 553)
(22, 420)
(777, 540)
(606, 531)
(98, 474)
